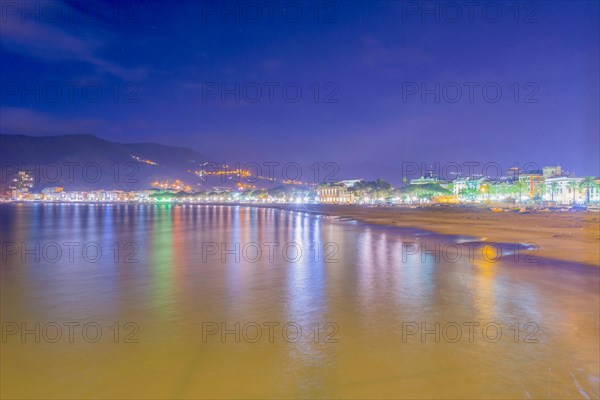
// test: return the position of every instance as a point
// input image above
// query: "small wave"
(469, 240)
(579, 388)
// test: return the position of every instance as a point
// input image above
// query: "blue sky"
(162, 67)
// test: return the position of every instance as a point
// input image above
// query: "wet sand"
(567, 236)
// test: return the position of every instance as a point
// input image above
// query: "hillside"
(79, 162)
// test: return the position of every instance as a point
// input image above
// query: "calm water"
(143, 301)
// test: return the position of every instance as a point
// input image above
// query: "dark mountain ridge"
(85, 162)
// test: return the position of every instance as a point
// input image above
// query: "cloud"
(33, 38)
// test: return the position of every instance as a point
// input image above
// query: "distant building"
(334, 195)
(564, 190)
(513, 172)
(555, 170)
(21, 185)
(54, 189)
(55, 193)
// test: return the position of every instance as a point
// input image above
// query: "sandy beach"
(567, 236)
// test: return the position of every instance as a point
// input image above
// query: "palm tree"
(425, 191)
(381, 188)
(376, 189)
(588, 183)
(503, 189)
(540, 189)
(553, 187)
(469, 192)
(574, 186)
(519, 187)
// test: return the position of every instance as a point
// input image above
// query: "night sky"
(365, 60)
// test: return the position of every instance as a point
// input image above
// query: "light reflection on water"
(368, 288)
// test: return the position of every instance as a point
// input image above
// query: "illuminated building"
(21, 185)
(334, 195)
(564, 190)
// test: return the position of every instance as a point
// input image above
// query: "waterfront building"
(54, 189)
(55, 193)
(565, 190)
(335, 194)
(21, 185)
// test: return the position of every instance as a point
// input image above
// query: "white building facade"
(565, 190)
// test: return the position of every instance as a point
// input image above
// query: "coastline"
(571, 237)
(564, 236)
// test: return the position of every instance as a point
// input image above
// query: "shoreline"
(570, 237)
(564, 236)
